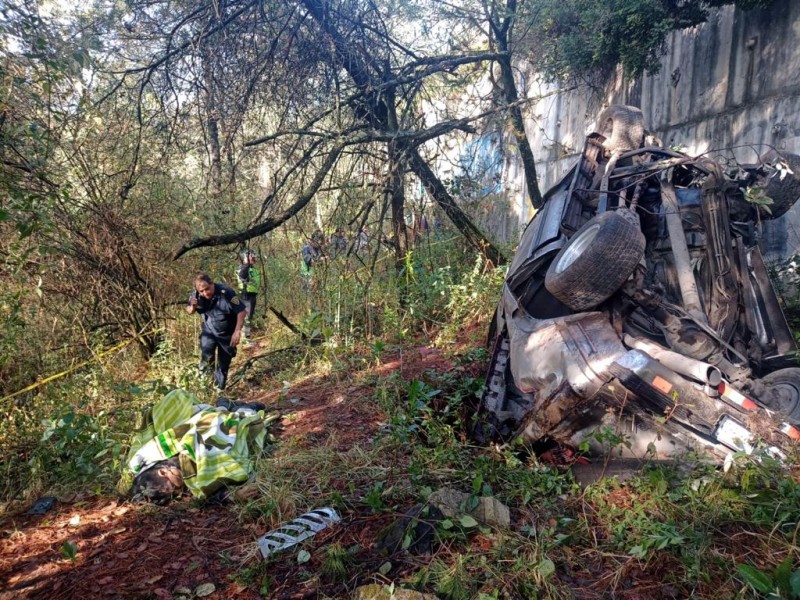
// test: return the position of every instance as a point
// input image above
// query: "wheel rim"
(577, 246)
(788, 394)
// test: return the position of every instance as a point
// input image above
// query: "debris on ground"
(297, 530)
(124, 550)
(415, 531)
(487, 510)
(376, 591)
(43, 505)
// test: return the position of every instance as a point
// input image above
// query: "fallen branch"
(289, 325)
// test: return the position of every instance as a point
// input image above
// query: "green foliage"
(782, 584)
(74, 438)
(470, 298)
(771, 497)
(336, 562)
(374, 498)
(582, 39)
(757, 196)
(409, 407)
(608, 439)
(12, 340)
(69, 550)
(255, 574)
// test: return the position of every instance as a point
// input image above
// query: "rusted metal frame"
(777, 325)
(723, 294)
(680, 250)
(583, 177)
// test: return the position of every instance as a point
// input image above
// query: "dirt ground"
(127, 550)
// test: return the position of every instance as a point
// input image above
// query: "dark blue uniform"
(220, 314)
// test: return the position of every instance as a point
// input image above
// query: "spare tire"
(784, 192)
(783, 393)
(596, 260)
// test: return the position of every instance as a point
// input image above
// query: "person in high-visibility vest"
(249, 279)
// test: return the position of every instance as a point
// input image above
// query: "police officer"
(310, 254)
(249, 279)
(223, 316)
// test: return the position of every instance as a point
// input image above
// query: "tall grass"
(73, 432)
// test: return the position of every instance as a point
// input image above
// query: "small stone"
(376, 591)
(205, 589)
(247, 491)
(490, 511)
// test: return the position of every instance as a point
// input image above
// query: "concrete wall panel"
(729, 87)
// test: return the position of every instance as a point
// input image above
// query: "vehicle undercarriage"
(639, 302)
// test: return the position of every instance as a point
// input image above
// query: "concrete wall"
(729, 88)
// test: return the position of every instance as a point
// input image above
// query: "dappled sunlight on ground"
(122, 550)
(126, 550)
(318, 410)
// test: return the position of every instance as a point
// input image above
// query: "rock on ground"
(490, 511)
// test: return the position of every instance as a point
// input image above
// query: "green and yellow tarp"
(216, 447)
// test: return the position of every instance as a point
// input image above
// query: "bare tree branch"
(272, 223)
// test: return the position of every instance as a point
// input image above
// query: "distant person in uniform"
(223, 316)
(311, 253)
(338, 243)
(249, 279)
(362, 240)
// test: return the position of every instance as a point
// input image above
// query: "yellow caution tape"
(42, 382)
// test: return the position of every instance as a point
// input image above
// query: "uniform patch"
(235, 300)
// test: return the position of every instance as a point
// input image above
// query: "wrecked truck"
(639, 303)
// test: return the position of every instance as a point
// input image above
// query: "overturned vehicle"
(639, 302)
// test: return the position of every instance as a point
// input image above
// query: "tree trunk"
(268, 224)
(438, 192)
(518, 131)
(397, 187)
(511, 97)
(212, 129)
(376, 110)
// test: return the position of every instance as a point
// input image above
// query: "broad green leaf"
(782, 577)
(205, 589)
(546, 568)
(759, 580)
(637, 551)
(385, 568)
(468, 521)
(407, 539)
(794, 582)
(69, 550)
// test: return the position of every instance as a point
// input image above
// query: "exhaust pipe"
(690, 367)
(680, 250)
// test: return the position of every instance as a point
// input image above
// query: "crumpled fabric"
(216, 446)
